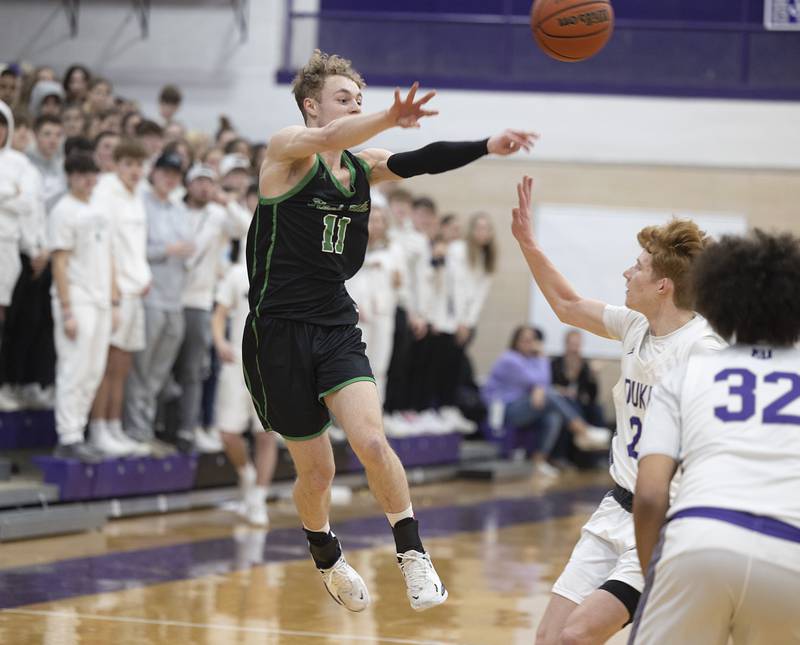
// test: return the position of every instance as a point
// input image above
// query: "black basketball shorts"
(290, 366)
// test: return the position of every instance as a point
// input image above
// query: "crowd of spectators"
(120, 232)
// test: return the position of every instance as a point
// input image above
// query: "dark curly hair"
(748, 288)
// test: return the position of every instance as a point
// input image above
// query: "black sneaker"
(80, 451)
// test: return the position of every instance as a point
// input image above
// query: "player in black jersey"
(302, 352)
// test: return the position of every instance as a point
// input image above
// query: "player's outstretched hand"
(407, 112)
(511, 141)
(521, 224)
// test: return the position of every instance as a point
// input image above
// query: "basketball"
(572, 30)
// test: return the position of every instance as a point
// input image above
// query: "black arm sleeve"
(436, 157)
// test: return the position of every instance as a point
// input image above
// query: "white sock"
(247, 476)
(325, 529)
(259, 493)
(96, 428)
(115, 426)
(394, 518)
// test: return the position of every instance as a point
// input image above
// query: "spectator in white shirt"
(82, 295)
(375, 290)
(234, 405)
(474, 260)
(116, 195)
(410, 324)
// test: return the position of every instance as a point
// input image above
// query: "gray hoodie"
(40, 92)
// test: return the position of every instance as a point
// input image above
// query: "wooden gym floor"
(201, 577)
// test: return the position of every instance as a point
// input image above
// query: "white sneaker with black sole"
(593, 438)
(423, 586)
(345, 586)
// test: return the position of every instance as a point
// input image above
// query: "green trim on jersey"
(296, 189)
(347, 192)
(367, 169)
(306, 438)
(269, 253)
(336, 388)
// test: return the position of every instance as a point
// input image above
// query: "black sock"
(406, 535)
(324, 547)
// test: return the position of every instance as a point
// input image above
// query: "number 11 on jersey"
(327, 234)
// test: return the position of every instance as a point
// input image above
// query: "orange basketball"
(572, 30)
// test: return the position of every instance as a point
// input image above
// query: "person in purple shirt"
(520, 379)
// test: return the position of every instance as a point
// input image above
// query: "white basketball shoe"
(345, 585)
(423, 586)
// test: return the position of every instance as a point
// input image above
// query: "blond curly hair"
(674, 246)
(311, 77)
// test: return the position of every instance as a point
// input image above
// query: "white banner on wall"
(592, 246)
(782, 15)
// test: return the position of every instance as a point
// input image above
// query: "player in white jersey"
(728, 564)
(597, 593)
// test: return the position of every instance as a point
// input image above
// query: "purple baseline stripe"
(649, 581)
(758, 523)
(117, 571)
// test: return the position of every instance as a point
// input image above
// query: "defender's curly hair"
(748, 287)
(674, 247)
(310, 79)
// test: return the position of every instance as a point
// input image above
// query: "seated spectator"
(574, 379)
(520, 380)
(76, 83)
(83, 299)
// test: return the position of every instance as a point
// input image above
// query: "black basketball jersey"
(304, 244)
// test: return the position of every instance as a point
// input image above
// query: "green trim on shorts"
(307, 438)
(345, 384)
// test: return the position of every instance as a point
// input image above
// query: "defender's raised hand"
(407, 112)
(521, 224)
(510, 141)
